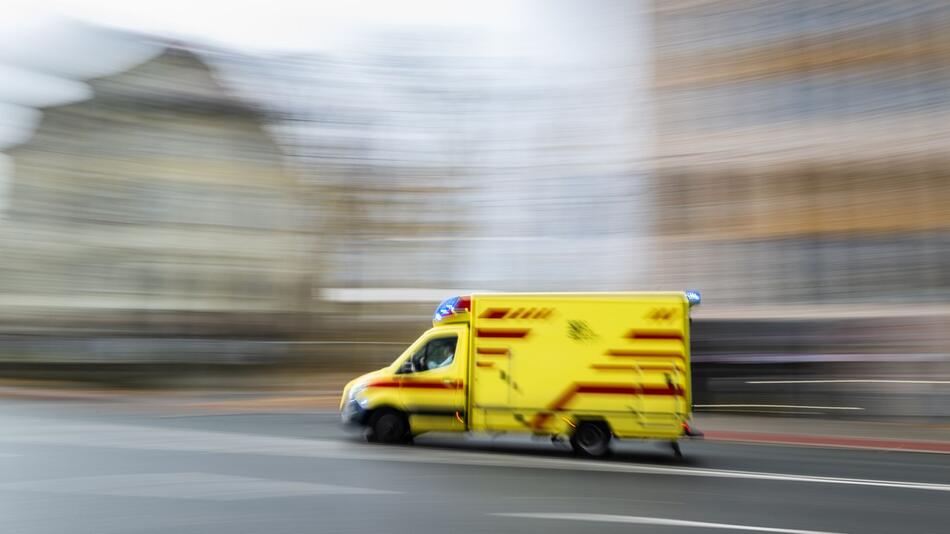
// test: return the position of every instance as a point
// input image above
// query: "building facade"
(442, 166)
(801, 153)
(159, 206)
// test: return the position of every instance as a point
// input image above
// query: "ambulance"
(585, 367)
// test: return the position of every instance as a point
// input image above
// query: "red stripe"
(381, 384)
(618, 389)
(492, 351)
(668, 334)
(540, 419)
(605, 389)
(611, 367)
(608, 367)
(564, 398)
(414, 384)
(506, 333)
(494, 313)
(644, 354)
(674, 391)
(660, 367)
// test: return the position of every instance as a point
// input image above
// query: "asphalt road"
(86, 469)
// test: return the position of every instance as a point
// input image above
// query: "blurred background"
(265, 193)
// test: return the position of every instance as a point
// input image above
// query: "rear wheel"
(388, 426)
(591, 439)
(677, 452)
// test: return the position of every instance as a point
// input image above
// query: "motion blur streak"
(848, 381)
(224, 207)
(637, 520)
(166, 201)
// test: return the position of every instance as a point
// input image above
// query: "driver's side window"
(439, 352)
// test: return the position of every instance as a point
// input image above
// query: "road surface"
(68, 468)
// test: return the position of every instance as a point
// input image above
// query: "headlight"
(355, 390)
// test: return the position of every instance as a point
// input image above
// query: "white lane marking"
(791, 406)
(195, 486)
(848, 381)
(149, 438)
(640, 520)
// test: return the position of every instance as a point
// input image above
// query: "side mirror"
(405, 368)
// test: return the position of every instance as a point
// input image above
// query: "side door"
(432, 381)
(490, 389)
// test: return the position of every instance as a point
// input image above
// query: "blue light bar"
(693, 297)
(445, 309)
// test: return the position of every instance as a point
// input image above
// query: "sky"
(46, 52)
(273, 24)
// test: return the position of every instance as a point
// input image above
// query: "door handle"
(448, 381)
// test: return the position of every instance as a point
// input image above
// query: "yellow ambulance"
(583, 366)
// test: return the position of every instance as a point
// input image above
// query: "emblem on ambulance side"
(580, 331)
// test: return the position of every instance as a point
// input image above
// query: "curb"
(833, 442)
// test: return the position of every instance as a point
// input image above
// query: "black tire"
(677, 452)
(591, 439)
(388, 426)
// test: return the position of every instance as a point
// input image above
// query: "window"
(435, 354)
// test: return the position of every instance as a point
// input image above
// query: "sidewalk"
(325, 396)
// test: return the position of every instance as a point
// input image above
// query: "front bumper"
(352, 414)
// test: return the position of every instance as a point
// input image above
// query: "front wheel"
(591, 439)
(388, 426)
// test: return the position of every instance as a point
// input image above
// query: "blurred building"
(443, 166)
(802, 151)
(157, 207)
